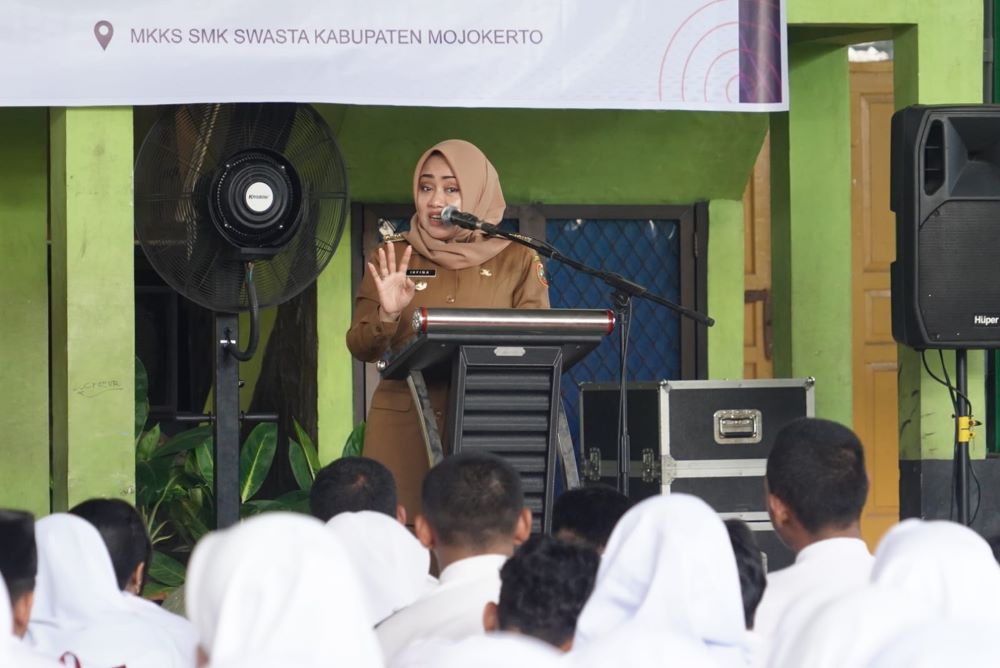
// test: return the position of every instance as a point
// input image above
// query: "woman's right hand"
(395, 289)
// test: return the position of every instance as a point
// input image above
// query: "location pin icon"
(104, 31)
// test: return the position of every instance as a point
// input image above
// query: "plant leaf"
(167, 570)
(296, 501)
(300, 465)
(147, 444)
(186, 440)
(141, 396)
(256, 457)
(206, 462)
(308, 447)
(355, 445)
(251, 508)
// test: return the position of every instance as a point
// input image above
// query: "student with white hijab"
(946, 565)
(668, 577)
(845, 632)
(278, 591)
(13, 652)
(393, 567)
(80, 610)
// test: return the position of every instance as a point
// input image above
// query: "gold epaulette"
(393, 238)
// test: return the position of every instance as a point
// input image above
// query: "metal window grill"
(645, 251)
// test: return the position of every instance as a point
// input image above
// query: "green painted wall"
(555, 157)
(93, 305)
(938, 59)
(813, 228)
(24, 328)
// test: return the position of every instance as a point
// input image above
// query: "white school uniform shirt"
(393, 566)
(822, 571)
(13, 652)
(451, 611)
(179, 629)
(278, 591)
(668, 571)
(949, 567)
(80, 609)
(491, 650)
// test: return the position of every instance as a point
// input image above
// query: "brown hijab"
(481, 196)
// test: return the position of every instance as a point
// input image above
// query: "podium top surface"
(439, 332)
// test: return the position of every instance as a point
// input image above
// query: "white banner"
(584, 54)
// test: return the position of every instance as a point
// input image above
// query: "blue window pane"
(645, 251)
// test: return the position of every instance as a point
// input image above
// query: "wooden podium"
(504, 368)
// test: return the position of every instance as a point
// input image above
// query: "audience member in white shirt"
(544, 587)
(816, 489)
(472, 518)
(79, 608)
(13, 652)
(19, 566)
(278, 590)
(131, 551)
(667, 591)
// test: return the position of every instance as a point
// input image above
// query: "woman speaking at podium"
(434, 265)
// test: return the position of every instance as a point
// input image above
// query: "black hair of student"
(18, 554)
(123, 533)
(590, 513)
(544, 587)
(472, 499)
(352, 484)
(750, 566)
(817, 467)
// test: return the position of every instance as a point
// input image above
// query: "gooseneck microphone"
(467, 220)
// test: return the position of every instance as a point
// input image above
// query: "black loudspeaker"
(945, 191)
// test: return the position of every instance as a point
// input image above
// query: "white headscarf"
(392, 565)
(491, 650)
(949, 567)
(668, 566)
(278, 590)
(942, 643)
(847, 632)
(13, 652)
(79, 608)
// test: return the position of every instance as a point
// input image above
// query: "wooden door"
(873, 248)
(757, 358)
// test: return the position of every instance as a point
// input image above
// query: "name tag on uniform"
(422, 273)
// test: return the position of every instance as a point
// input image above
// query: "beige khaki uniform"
(515, 278)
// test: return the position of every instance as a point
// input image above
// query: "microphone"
(468, 221)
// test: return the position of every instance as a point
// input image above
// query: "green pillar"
(725, 288)
(811, 227)
(24, 328)
(93, 305)
(334, 364)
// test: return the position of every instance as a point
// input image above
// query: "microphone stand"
(623, 291)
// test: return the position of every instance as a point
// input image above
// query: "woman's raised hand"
(395, 289)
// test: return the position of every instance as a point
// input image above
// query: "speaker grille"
(959, 263)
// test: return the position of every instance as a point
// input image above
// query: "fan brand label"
(259, 197)
(986, 320)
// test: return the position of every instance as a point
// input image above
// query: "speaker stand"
(963, 433)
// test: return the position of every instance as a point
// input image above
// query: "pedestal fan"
(238, 207)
